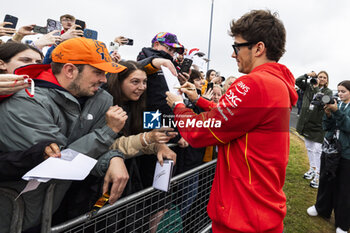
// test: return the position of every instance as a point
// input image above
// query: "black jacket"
(13, 165)
(156, 84)
(310, 120)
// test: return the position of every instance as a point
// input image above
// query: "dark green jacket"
(310, 121)
(340, 119)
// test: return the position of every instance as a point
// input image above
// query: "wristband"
(196, 100)
(144, 139)
(176, 103)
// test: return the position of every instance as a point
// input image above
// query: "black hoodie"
(156, 84)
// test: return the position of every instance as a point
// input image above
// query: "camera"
(311, 79)
(321, 99)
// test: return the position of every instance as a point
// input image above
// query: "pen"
(190, 89)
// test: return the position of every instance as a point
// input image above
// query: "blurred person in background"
(309, 123)
(228, 83)
(217, 93)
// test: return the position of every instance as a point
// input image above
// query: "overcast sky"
(318, 31)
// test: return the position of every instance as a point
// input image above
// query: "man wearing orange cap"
(70, 108)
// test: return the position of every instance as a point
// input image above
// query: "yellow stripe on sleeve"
(246, 157)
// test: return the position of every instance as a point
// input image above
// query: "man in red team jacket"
(250, 125)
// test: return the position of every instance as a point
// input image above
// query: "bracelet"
(176, 103)
(144, 139)
(147, 139)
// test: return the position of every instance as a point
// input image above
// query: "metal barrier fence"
(182, 209)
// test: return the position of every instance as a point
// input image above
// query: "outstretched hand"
(164, 152)
(117, 176)
(158, 62)
(162, 135)
(11, 83)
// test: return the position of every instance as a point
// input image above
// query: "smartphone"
(113, 47)
(210, 86)
(91, 34)
(130, 42)
(81, 24)
(39, 29)
(186, 65)
(53, 25)
(11, 19)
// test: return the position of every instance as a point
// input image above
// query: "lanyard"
(337, 133)
(32, 89)
(344, 107)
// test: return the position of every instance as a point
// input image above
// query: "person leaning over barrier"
(252, 129)
(70, 109)
(14, 164)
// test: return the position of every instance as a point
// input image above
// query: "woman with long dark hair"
(334, 192)
(14, 164)
(12, 56)
(128, 91)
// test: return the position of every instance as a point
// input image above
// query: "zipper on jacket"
(81, 120)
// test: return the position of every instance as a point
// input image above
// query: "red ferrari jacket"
(250, 125)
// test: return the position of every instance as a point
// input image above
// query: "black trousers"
(335, 194)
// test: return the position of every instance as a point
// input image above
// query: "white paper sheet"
(72, 166)
(199, 62)
(31, 185)
(171, 81)
(162, 175)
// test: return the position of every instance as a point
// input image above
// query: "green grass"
(300, 195)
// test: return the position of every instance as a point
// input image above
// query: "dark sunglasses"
(236, 46)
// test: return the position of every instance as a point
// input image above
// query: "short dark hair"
(262, 25)
(67, 16)
(195, 74)
(345, 83)
(57, 67)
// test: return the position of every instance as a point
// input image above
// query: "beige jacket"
(131, 146)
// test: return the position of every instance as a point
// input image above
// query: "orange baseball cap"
(86, 51)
